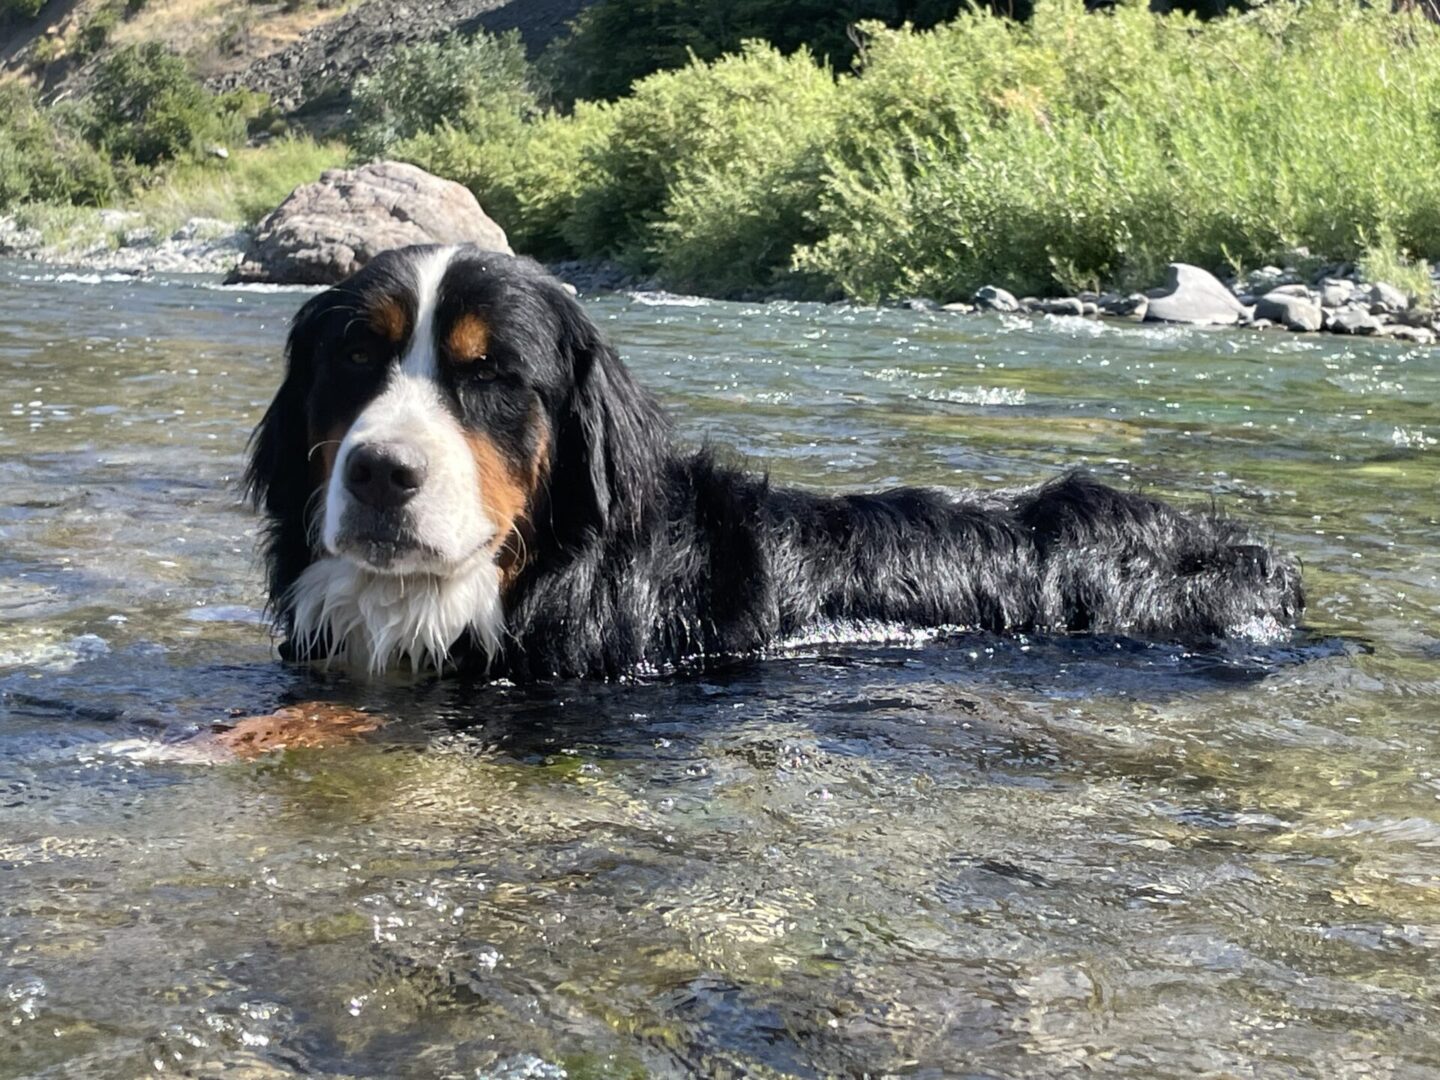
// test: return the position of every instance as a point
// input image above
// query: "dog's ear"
(278, 479)
(612, 434)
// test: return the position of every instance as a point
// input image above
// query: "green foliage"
(1100, 147)
(616, 42)
(1384, 260)
(44, 157)
(709, 171)
(470, 83)
(244, 188)
(527, 176)
(96, 31)
(148, 109)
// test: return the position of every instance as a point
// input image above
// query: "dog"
(459, 473)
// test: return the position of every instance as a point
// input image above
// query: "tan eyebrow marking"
(387, 318)
(469, 338)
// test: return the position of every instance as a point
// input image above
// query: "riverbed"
(988, 857)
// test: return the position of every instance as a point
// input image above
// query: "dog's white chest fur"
(376, 621)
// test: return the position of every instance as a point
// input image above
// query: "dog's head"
(445, 413)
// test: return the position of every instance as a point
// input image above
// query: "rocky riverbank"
(1331, 298)
(121, 241)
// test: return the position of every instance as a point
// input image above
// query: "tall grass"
(243, 188)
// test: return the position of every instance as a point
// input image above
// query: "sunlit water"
(973, 857)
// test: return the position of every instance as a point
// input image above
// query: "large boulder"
(325, 231)
(1192, 295)
(1291, 310)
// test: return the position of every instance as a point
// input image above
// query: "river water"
(976, 857)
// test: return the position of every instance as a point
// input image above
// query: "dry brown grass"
(198, 30)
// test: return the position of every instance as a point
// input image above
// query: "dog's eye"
(359, 357)
(485, 370)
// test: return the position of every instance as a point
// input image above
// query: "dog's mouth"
(390, 545)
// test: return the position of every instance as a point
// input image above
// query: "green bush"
(44, 157)
(1085, 147)
(528, 176)
(616, 42)
(96, 31)
(147, 108)
(470, 83)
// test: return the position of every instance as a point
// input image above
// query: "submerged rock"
(1193, 295)
(325, 231)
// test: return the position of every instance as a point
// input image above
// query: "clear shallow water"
(976, 858)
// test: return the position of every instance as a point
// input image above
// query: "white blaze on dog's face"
(430, 456)
(404, 496)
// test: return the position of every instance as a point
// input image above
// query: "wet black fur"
(645, 555)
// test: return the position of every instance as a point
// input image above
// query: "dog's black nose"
(384, 475)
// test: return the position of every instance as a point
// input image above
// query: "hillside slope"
(304, 56)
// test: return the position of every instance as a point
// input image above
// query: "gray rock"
(1336, 292)
(1387, 298)
(1133, 306)
(1193, 295)
(1416, 316)
(993, 298)
(17, 241)
(958, 307)
(919, 303)
(1067, 306)
(1290, 311)
(325, 231)
(1419, 335)
(1265, 278)
(1261, 324)
(1292, 290)
(1091, 309)
(1352, 321)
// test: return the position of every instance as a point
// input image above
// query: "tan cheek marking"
(504, 496)
(387, 318)
(469, 339)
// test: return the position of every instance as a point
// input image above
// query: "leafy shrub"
(527, 176)
(96, 31)
(44, 157)
(1098, 147)
(148, 109)
(616, 42)
(709, 171)
(469, 83)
